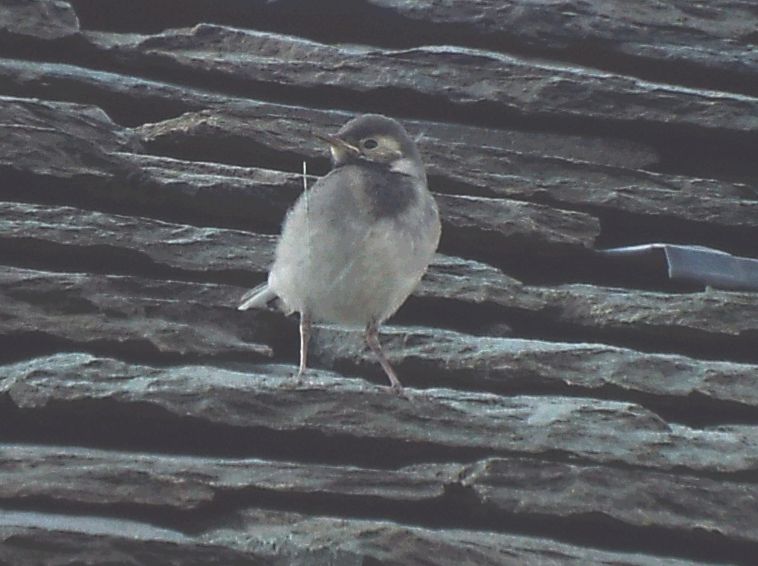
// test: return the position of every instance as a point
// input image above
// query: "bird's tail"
(257, 298)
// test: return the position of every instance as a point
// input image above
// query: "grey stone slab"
(590, 430)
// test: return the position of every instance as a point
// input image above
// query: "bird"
(355, 245)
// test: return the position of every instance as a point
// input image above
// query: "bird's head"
(377, 139)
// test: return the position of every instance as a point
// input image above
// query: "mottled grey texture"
(562, 406)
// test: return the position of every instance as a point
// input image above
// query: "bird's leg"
(372, 339)
(305, 336)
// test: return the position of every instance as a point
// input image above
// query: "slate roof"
(565, 405)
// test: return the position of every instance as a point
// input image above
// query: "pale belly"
(353, 281)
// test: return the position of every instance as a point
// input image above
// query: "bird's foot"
(398, 390)
(298, 379)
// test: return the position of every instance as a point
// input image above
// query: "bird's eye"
(369, 143)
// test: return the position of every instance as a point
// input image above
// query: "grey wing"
(319, 240)
(322, 226)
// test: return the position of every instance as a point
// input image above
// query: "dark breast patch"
(389, 193)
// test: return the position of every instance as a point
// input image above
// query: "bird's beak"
(341, 150)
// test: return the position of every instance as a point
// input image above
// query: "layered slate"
(562, 406)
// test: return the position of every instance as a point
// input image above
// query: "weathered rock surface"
(266, 133)
(509, 364)
(695, 321)
(561, 406)
(36, 134)
(672, 41)
(268, 401)
(54, 539)
(124, 181)
(125, 313)
(717, 37)
(269, 62)
(271, 537)
(36, 20)
(196, 487)
(193, 483)
(631, 496)
(568, 183)
(459, 163)
(195, 319)
(133, 243)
